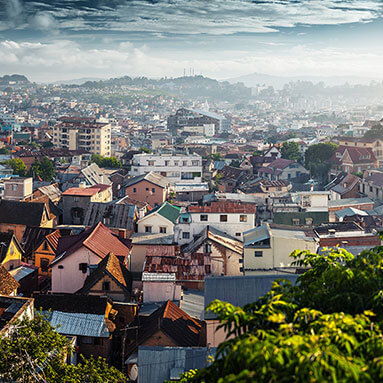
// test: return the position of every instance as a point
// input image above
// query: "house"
(238, 291)
(14, 309)
(174, 362)
(371, 185)
(18, 189)
(140, 242)
(11, 252)
(232, 218)
(268, 247)
(225, 252)
(77, 253)
(88, 176)
(168, 326)
(52, 191)
(159, 286)
(8, 284)
(365, 204)
(118, 178)
(120, 218)
(191, 192)
(160, 220)
(15, 216)
(87, 318)
(27, 277)
(352, 160)
(151, 188)
(177, 168)
(142, 207)
(282, 169)
(76, 201)
(348, 235)
(110, 278)
(361, 142)
(344, 185)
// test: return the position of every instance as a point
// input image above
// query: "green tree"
(35, 169)
(4, 151)
(375, 132)
(326, 328)
(317, 159)
(34, 350)
(106, 162)
(18, 166)
(143, 149)
(47, 169)
(290, 151)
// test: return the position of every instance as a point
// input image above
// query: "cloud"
(42, 21)
(63, 59)
(193, 16)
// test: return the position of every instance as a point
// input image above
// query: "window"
(75, 199)
(243, 218)
(44, 264)
(167, 163)
(208, 248)
(150, 163)
(195, 163)
(185, 235)
(83, 267)
(153, 190)
(309, 221)
(184, 163)
(148, 229)
(237, 234)
(295, 221)
(60, 267)
(223, 218)
(258, 253)
(147, 189)
(162, 229)
(134, 190)
(106, 286)
(203, 217)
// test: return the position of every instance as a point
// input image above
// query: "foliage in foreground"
(34, 351)
(322, 330)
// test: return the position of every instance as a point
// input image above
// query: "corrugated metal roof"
(21, 272)
(241, 290)
(159, 364)
(257, 234)
(158, 277)
(79, 324)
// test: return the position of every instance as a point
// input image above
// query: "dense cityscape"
(191, 191)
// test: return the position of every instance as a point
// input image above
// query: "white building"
(177, 168)
(232, 218)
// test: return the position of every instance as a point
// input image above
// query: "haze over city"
(62, 40)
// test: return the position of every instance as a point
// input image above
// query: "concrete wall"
(161, 291)
(277, 255)
(155, 221)
(147, 192)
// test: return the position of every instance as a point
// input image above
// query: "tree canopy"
(33, 350)
(325, 328)
(18, 166)
(290, 151)
(106, 162)
(43, 169)
(375, 132)
(317, 159)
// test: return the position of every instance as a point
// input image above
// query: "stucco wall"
(70, 279)
(147, 192)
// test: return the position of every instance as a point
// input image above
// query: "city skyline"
(62, 40)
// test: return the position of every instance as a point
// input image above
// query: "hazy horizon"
(64, 40)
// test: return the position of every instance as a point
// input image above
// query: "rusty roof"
(8, 284)
(224, 207)
(174, 322)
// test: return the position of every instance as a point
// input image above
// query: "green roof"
(168, 211)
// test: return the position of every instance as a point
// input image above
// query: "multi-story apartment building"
(177, 168)
(85, 133)
(231, 218)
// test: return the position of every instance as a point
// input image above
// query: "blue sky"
(55, 40)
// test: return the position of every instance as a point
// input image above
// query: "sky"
(51, 40)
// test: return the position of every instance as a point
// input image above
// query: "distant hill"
(188, 86)
(255, 79)
(13, 79)
(77, 81)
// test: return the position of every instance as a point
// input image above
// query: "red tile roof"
(224, 207)
(99, 239)
(86, 192)
(357, 155)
